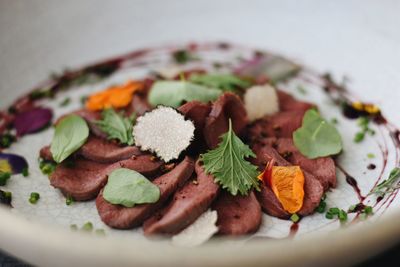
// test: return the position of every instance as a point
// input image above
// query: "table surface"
(346, 37)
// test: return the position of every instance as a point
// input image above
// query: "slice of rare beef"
(227, 106)
(99, 150)
(187, 205)
(121, 217)
(84, 179)
(197, 112)
(103, 151)
(281, 124)
(313, 189)
(237, 215)
(288, 103)
(322, 168)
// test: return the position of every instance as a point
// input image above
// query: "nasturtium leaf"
(70, 134)
(117, 126)
(225, 82)
(174, 93)
(128, 188)
(228, 165)
(316, 137)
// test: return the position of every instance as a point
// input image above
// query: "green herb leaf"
(226, 82)
(174, 93)
(116, 126)
(316, 137)
(183, 56)
(128, 188)
(34, 197)
(71, 133)
(4, 176)
(228, 165)
(388, 185)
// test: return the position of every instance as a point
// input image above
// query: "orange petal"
(116, 96)
(288, 185)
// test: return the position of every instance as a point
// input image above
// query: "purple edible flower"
(11, 163)
(32, 120)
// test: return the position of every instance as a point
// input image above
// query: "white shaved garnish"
(261, 100)
(163, 131)
(170, 72)
(198, 232)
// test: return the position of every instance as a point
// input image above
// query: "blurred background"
(359, 39)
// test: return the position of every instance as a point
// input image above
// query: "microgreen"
(225, 82)
(388, 185)
(228, 165)
(316, 137)
(117, 126)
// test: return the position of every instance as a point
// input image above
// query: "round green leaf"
(128, 188)
(316, 137)
(70, 134)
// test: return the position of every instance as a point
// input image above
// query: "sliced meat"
(139, 105)
(228, 106)
(270, 204)
(188, 204)
(313, 189)
(322, 168)
(90, 117)
(45, 153)
(281, 124)
(120, 217)
(197, 112)
(288, 103)
(237, 215)
(99, 150)
(103, 151)
(84, 180)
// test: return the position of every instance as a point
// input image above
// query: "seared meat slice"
(281, 124)
(188, 204)
(322, 168)
(139, 105)
(196, 112)
(99, 150)
(288, 103)
(103, 151)
(120, 217)
(84, 180)
(313, 189)
(237, 215)
(228, 106)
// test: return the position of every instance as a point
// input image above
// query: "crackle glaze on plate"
(354, 161)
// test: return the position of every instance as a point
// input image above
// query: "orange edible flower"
(113, 97)
(287, 183)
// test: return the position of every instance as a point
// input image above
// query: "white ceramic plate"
(37, 241)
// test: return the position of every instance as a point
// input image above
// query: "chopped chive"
(359, 137)
(352, 208)
(25, 172)
(321, 207)
(5, 198)
(370, 155)
(368, 210)
(182, 56)
(295, 218)
(6, 140)
(342, 216)
(34, 198)
(4, 176)
(87, 227)
(69, 201)
(65, 102)
(47, 167)
(329, 216)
